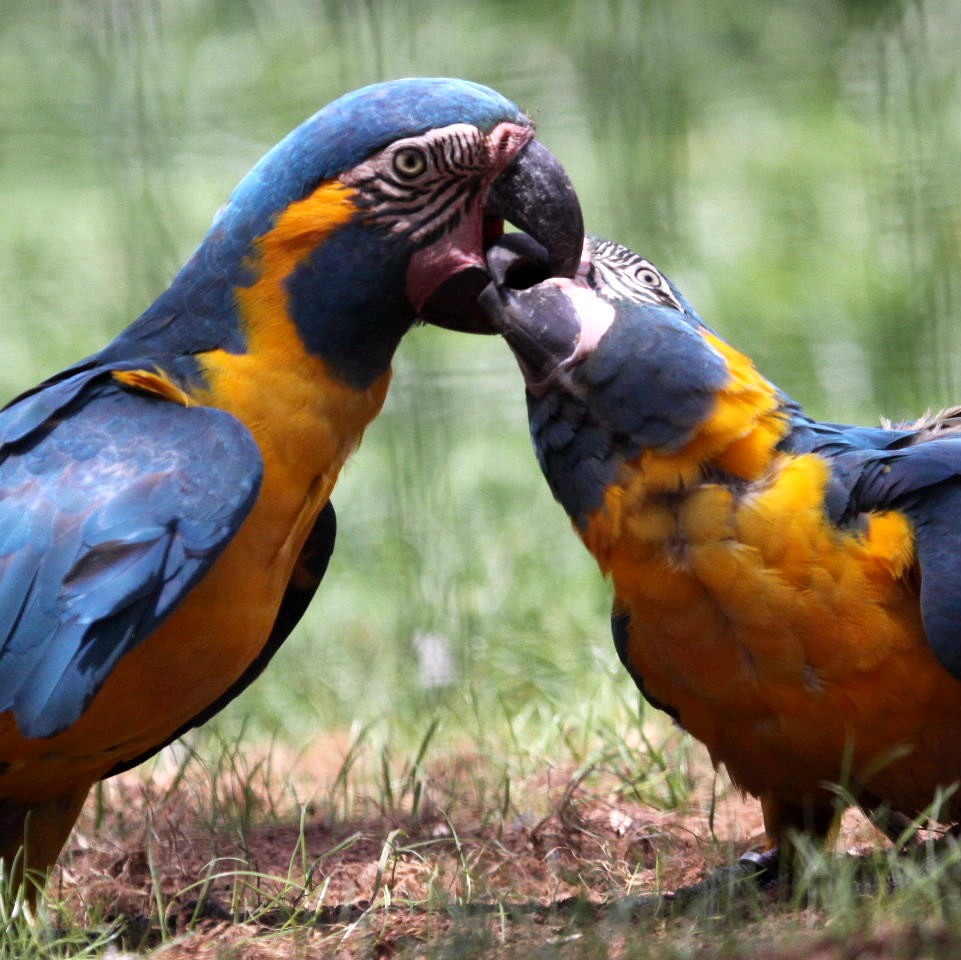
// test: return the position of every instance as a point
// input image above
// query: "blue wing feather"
(113, 504)
(923, 481)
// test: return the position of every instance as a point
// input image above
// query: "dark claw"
(764, 867)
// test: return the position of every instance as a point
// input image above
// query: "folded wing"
(113, 504)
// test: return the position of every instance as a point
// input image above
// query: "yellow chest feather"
(793, 649)
(788, 646)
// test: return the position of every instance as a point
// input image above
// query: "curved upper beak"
(533, 192)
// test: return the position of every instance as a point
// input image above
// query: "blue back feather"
(112, 505)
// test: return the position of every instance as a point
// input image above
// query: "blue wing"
(113, 504)
(923, 481)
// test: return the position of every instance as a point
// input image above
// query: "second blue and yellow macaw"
(788, 590)
(164, 504)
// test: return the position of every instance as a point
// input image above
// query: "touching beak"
(534, 193)
(538, 319)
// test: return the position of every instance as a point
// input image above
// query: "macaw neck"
(292, 333)
(664, 397)
(348, 302)
(311, 280)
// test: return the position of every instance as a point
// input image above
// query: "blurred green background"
(794, 166)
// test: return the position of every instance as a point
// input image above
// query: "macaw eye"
(648, 276)
(409, 162)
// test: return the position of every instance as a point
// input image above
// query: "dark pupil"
(409, 162)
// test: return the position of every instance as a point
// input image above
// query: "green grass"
(883, 904)
(793, 167)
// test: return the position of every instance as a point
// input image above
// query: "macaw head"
(615, 360)
(373, 214)
(555, 323)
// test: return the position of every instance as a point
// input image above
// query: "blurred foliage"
(796, 168)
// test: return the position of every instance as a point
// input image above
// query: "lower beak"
(538, 320)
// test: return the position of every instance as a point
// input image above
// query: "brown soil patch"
(379, 882)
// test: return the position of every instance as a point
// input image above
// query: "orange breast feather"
(792, 648)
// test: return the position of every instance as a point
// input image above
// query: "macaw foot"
(759, 878)
(762, 866)
(752, 881)
(755, 878)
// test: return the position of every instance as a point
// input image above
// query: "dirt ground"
(533, 877)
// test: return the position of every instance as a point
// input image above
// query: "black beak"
(535, 194)
(538, 320)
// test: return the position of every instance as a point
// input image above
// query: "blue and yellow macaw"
(164, 504)
(788, 590)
